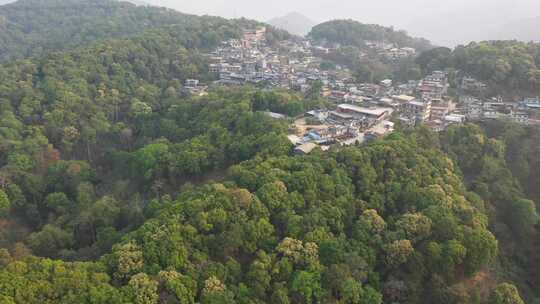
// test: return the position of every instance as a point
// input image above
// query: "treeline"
(30, 27)
(342, 227)
(35, 27)
(507, 65)
(353, 33)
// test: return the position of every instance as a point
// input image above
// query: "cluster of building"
(391, 51)
(252, 60)
(523, 112)
(346, 125)
(192, 87)
(293, 64)
(361, 111)
(415, 102)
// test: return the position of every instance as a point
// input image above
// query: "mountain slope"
(294, 23)
(32, 27)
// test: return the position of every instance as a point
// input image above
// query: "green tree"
(145, 289)
(505, 294)
(58, 202)
(5, 205)
(50, 241)
(398, 252)
(523, 217)
(307, 285)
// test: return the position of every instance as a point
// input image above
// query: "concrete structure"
(375, 113)
(419, 110)
(305, 149)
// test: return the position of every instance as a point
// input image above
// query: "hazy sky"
(430, 18)
(369, 10)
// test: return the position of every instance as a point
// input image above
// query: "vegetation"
(502, 64)
(89, 136)
(116, 188)
(35, 27)
(330, 227)
(491, 166)
(353, 33)
(366, 63)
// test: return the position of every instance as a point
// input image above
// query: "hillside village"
(360, 111)
(150, 156)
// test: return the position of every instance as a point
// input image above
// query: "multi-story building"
(433, 87)
(419, 110)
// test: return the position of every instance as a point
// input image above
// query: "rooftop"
(417, 103)
(306, 148)
(368, 111)
(404, 98)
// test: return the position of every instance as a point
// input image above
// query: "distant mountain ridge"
(294, 23)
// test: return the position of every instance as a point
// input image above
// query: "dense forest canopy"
(117, 188)
(354, 33)
(34, 27)
(83, 130)
(29, 27)
(344, 226)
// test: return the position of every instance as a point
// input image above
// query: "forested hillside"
(116, 188)
(498, 163)
(505, 65)
(31, 27)
(34, 27)
(87, 136)
(343, 227)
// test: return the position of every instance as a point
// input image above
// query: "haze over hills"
(294, 22)
(445, 23)
(478, 22)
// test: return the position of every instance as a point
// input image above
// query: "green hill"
(114, 188)
(353, 33)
